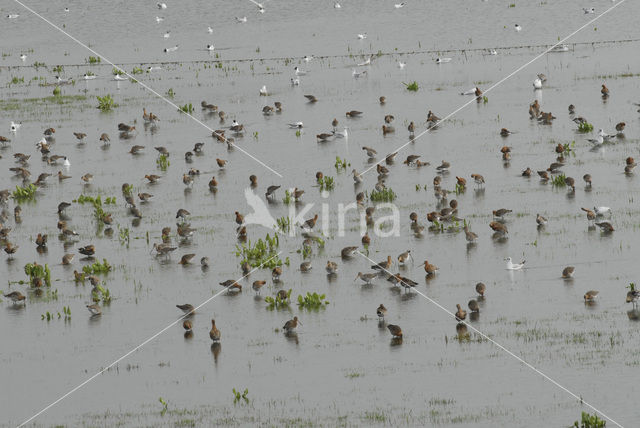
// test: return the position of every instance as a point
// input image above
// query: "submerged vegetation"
(106, 103)
(37, 274)
(585, 127)
(27, 193)
(589, 421)
(413, 86)
(281, 300)
(97, 268)
(385, 195)
(163, 162)
(312, 301)
(341, 164)
(263, 253)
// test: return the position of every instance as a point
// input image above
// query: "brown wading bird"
(331, 268)
(461, 314)
(186, 308)
(429, 268)
(395, 330)
(291, 325)
(381, 311)
(214, 333)
(257, 285)
(16, 297)
(88, 250)
(568, 272)
(480, 289)
(186, 259)
(383, 265)
(231, 284)
(498, 227)
(591, 295)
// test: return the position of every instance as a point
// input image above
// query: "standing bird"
(291, 325)
(16, 297)
(540, 220)
(568, 272)
(604, 91)
(214, 333)
(590, 295)
(461, 314)
(395, 330)
(381, 311)
(479, 180)
(94, 309)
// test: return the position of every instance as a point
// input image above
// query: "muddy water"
(342, 367)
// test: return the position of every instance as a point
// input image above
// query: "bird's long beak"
(299, 322)
(356, 278)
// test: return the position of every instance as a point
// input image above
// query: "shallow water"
(342, 367)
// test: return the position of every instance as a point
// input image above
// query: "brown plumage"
(291, 325)
(214, 333)
(395, 330)
(498, 227)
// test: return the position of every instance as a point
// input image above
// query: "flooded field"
(341, 366)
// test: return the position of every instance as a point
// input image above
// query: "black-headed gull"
(159, 19)
(15, 126)
(299, 72)
(88, 76)
(357, 74)
(209, 30)
(296, 125)
(210, 48)
(161, 5)
(336, 5)
(537, 83)
(401, 64)
(23, 57)
(587, 10)
(172, 49)
(263, 91)
(518, 27)
(343, 134)
(13, 15)
(295, 82)
(362, 36)
(308, 58)
(367, 62)
(596, 141)
(600, 211)
(119, 77)
(605, 136)
(514, 266)
(241, 20)
(167, 34)
(399, 5)
(442, 60)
